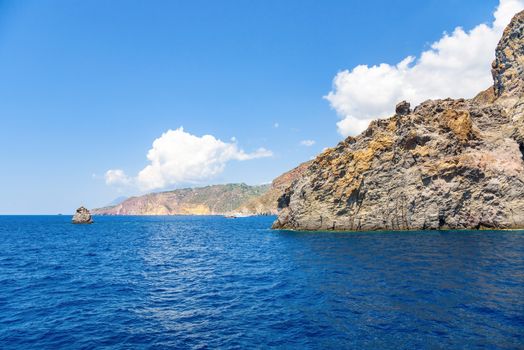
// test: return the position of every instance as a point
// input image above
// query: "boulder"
(403, 108)
(82, 216)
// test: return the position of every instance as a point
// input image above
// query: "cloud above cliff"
(180, 157)
(116, 177)
(457, 65)
(307, 143)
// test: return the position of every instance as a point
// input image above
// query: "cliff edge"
(446, 164)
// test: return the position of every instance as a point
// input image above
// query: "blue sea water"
(212, 282)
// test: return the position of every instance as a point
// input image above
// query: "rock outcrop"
(82, 216)
(448, 164)
(403, 108)
(508, 67)
(267, 203)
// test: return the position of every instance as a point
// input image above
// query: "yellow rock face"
(446, 164)
(198, 209)
(459, 122)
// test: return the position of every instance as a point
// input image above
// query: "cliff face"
(267, 203)
(209, 200)
(448, 164)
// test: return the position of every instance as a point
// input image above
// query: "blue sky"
(87, 86)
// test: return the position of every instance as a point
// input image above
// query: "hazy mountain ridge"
(208, 200)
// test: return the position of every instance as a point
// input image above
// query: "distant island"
(447, 164)
(229, 199)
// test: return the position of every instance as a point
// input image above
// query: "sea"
(209, 282)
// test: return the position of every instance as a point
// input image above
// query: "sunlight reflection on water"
(211, 282)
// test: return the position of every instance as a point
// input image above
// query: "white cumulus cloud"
(180, 157)
(457, 65)
(116, 177)
(307, 143)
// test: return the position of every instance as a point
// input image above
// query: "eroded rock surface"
(448, 164)
(403, 108)
(82, 216)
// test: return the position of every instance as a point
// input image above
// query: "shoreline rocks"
(82, 216)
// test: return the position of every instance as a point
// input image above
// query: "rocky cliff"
(209, 200)
(446, 164)
(268, 202)
(82, 216)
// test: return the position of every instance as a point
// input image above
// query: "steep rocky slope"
(209, 200)
(447, 164)
(268, 202)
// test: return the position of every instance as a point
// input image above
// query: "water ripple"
(210, 282)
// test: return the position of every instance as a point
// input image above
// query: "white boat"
(237, 215)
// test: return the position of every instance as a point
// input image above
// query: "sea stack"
(82, 216)
(446, 164)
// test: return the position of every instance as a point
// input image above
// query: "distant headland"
(229, 199)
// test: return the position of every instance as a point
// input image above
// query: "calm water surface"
(211, 282)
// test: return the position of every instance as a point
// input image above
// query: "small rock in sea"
(82, 216)
(403, 108)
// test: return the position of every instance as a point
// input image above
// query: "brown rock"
(448, 164)
(82, 216)
(403, 108)
(508, 67)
